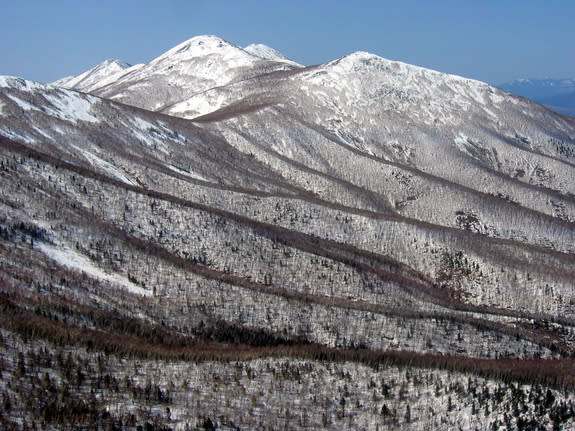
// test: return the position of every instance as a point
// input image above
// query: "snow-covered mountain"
(225, 203)
(263, 51)
(192, 67)
(97, 74)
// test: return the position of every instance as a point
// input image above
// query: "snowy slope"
(432, 147)
(98, 73)
(362, 204)
(343, 136)
(263, 51)
(406, 114)
(59, 103)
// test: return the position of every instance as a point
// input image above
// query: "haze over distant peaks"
(557, 94)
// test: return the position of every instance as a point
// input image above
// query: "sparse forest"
(291, 248)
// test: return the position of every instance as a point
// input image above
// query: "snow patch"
(361, 85)
(200, 104)
(14, 135)
(265, 52)
(95, 74)
(72, 106)
(105, 166)
(21, 103)
(145, 131)
(461, 141)
(142, 124)
(465, 144)
(42, 132)
(497, 97)
(190, 174)
(112, 78)
(71, 259)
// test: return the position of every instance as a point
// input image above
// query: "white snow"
(143, 132)
(8, 81)
(63, 81)
(22, 104)
(267, 53)
(11, 134)
(111, 78)
(43, 133)
(194, 66)
(142, 124)
(104, 165)
(199, 104)
(20, 84)
(97, 73)
(187, 173)
(206, 58)
(73, 106)
(104, 74)
(363, 85)
(197, 47)
(66, 104)
(461, 142)
(411, 75)
(150, 141)
(71, 259)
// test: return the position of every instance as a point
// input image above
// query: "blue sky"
(494, 41)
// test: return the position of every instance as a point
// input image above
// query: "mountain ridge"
(401, 236)
(190, 67)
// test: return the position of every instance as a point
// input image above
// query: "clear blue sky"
(494, 41)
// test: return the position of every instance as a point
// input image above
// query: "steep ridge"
(267, 53)
(92, 78)
(359, 208)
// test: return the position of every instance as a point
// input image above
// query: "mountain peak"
(365, 61)
(108, 67)
(206, 41)
(114, 62)
(361, 59)
(97, 73)
(198, 46)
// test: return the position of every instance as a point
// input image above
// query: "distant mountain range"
(225, 239)
(557, 94)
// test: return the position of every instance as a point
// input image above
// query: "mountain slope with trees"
(224, 239)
